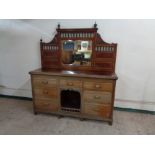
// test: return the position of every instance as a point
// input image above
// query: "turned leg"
(110, 123)
(82, 119)
(60, 116)
(35, 113)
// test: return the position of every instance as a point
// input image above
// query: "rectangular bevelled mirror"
(77, 52)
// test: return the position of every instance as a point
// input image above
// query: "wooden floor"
(16, 117)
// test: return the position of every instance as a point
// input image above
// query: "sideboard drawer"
(44, 81)
(97, 97)
(46, 93)
(70, 83)
(97, 110)
(95, 85)
(45, 104)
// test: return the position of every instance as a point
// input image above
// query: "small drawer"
(97, 97)
(94, 85)
(46, 93)
(45, 104)
(44, 81)
(97, 110)
(70, 83)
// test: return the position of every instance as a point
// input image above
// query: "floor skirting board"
(121, 105)
(16, 92)
(138, 105)
(16, 97)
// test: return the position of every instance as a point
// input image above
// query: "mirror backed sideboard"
(77, 77)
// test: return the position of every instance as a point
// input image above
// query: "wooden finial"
(95, 25)
(58, 25)
(41, 39)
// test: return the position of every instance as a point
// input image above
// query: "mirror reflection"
(77, 52)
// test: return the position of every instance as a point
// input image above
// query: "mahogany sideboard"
(77, 76)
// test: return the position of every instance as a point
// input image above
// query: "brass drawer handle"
(45, 92)
(45, 82)
(70, 83)
(97, 97)
(98, 86)
(46, 103)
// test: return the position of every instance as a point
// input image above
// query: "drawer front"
(101, 86)
(46, 93)
(98, 97)
(70, 83)
(47, 105)
(44, 81)
(97, 110)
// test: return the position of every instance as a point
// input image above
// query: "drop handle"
(97, 97)
(97, 86)
(45, 82)
(70, 84)
(45, 92)
(46, 104)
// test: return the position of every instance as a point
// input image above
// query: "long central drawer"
(71, 83)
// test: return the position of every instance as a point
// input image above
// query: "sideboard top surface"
(69, 73)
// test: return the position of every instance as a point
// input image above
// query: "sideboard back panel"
(103, 57)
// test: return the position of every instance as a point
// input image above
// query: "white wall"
(19, 54)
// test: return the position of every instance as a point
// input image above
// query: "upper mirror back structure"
(80, 49)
